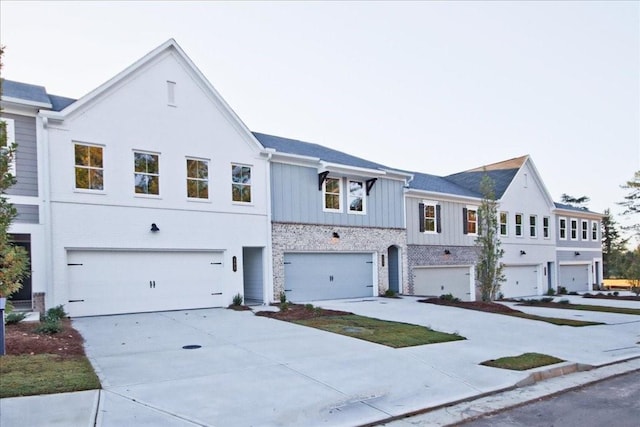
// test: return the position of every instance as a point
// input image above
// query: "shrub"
(500, 296)
(237, 299)
(449, 297)
(49, 326)
(531, 301)
(389, 293)
(572, 293)
(15, 317)
(284, 306)
(308, 306)
(563, 301)
(56, 312)
(616, 293)
(562, 290)
(283, 297)
(551, 292)
(547, 299)
(636, 290)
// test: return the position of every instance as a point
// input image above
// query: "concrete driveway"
(257, 371)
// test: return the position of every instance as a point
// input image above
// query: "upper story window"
(519, 225)
(89, 168)
(533, 226)
(332, 190)
(146, 173)
(562, 228)
(574, 229)
(470, 218)
(429, 217)
(585, 229)
(504, 223)
(241, 183)
(594, 230)
(197, 179)
(357, 201)
(10, 132)
(545, 227)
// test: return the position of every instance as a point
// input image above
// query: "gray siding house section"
(451, 221)
(27, 214)
(26, 156)
(295, 198)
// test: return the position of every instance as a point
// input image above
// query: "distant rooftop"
(34, 93)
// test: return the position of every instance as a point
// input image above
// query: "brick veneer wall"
(287, 237)
(421, 256)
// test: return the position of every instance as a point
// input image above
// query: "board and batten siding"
(295, 198)
(451, 225)
(26, 156)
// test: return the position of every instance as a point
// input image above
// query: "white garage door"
(436, 281)
(521, 281)
(575, 277)
(110, 282)
(318, 276)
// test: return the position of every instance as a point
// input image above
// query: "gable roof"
(438, 184)
(564, 206)
(502, 173)
(308, 149)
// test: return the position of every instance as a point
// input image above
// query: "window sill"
(196, 200)
(87, 191)
(147, 196)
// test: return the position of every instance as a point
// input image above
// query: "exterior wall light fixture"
(154, 227)
(522, 252)
(447, 252)
(576, 253)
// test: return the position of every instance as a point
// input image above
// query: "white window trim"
(566, 228)
(506, 224)
(571, 228)
(475, 209)
(364, 197)
(324, 192)
(515, 225)
(597, 230)
(547, 227)
(435, 218)
(187, 178)
(89, 190)
(236, 202)
(535, 226)
(584, 230)
(11, 138)
(144, 195)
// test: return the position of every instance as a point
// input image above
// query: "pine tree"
(632, 201)
(613, 246)
(489, 267)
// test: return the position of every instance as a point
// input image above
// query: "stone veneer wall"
(422, 255)
(288, 237)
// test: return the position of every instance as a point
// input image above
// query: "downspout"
(46, 211)
(267, 292)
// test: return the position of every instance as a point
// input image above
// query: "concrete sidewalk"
(256, 371)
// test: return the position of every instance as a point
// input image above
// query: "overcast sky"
(437, 87)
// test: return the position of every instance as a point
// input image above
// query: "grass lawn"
(586, 307)
(553, 320)
(26, 375)
(523, 362)
(392, 334)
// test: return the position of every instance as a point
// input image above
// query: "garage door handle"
(76, 300)
(369, 286)
(152, 284)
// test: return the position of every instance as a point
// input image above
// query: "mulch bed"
(239, 307)
(486, 306)
(609, 296)
(21, 339)
(300, 312)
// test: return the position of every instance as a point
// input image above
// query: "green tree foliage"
(613, 247)
(631, 202)
(577, 202)
(633, 271)
(14, 262)
(489, 268)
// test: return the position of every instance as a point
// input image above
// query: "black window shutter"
(465, 225)
(421, 217)
(438, 222)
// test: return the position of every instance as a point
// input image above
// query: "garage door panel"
(110, 282)
(521, 281)
(436, 281)
(318, 276)
(575, 277)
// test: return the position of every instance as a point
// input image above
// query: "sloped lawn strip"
(586, 307)
(522, 362)
(492, 307)
(27, 375)
(392, 334)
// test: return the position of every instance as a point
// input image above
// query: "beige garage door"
(436, 281)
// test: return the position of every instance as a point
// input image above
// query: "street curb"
(540, 375)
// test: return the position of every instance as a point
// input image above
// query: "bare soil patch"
(486, 306)
(20, 339)
(614, 297)
(300, 312)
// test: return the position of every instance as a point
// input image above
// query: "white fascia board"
(577, 214)
(294, 159)
(400, 175)
(536, 178)
(25, 103)
(350, 170)
(444, 197)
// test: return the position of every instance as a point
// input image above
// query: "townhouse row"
(149, 193)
